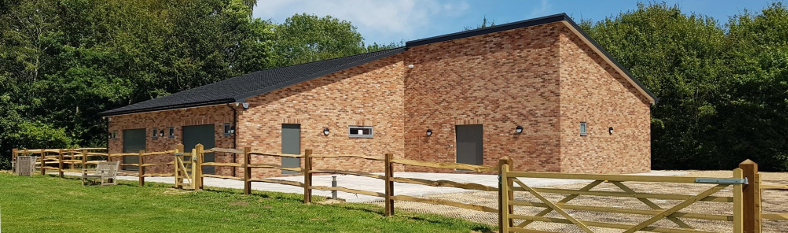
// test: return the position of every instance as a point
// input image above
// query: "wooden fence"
(745, 182)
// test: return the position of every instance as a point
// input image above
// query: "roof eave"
(169, 107)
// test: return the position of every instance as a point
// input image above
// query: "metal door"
(201, 134)
(291, 144)
(133, 142)
(469, 144)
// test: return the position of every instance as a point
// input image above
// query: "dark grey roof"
(239, 88)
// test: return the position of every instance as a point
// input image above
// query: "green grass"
(49, 204)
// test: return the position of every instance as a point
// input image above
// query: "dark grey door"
(133, 142)
(469, 144)
(201, 134)
(291, 144)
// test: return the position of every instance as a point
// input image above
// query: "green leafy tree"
(306, 38)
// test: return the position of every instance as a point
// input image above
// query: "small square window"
(172, 132)
(155, 134)
(583, 129)
(360, 131)
(228, 129)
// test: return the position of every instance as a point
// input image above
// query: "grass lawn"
(49, 204)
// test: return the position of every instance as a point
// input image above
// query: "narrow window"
(583, 131)
(172, 132)
(360, 131)
(115, 134)
(155, 132)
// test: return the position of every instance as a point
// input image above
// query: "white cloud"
(544, 8)
(378, 21)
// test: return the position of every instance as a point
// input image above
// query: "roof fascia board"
(166, 108)
(482, 31)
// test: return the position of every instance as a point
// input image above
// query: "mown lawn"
(49, 204)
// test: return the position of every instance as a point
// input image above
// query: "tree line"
(723, 85)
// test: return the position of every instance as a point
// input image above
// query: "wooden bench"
(105, 171)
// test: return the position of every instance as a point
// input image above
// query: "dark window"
(583, 130)
(228, 129)
(360, 131)
(172, 132)
(155, 134)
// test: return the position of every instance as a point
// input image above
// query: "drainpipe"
(235, 134)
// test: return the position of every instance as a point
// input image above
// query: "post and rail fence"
(745, 184)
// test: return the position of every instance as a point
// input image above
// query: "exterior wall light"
(429, 132)
(161, 133)
(518, 129)
(326, 131)
(232, 129)
(610, 130)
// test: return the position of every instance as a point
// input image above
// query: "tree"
(64, 61)
(305, 38)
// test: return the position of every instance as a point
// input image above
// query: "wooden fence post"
(247, 171)
(738, 202)
(752, 197)
(504, 195)
(84, 159)
(13, 161)
(60, 162)
(200, 158)
(141, 169)
(43, 163)
(308, 176)
(178, 179)
(196, 165)
(389, 202)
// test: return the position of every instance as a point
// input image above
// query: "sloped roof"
(239, 88)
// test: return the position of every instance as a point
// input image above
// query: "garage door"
(201, 134)
(133, 142)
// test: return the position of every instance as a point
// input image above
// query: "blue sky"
(385, 21)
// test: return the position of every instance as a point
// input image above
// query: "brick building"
(539, 91)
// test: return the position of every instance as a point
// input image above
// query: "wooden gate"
(184, 166)
(512, 221)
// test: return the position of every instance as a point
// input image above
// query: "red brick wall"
(162, 120)
(500, 80)
(367, 95)
(592, 91)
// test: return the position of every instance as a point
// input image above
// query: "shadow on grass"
(430, 218)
